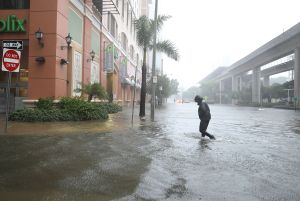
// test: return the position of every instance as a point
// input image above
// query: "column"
(297, 75)
(87, 44)
(220, 91)
(234, 89)
(266, 81)
(234, 83)
(240, 83)
(256, 85)
(48, 79)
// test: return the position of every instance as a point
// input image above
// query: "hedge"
(68, 109)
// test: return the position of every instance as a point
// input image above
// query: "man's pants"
(202, 128)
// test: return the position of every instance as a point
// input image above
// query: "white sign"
(11, 60)
(13, 44)
(154, 79)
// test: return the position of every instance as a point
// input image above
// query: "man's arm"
(207, 107)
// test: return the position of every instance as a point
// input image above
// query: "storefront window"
(15, 4)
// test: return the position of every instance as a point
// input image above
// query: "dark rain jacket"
(204, 111)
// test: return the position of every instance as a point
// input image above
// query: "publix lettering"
(12, 24)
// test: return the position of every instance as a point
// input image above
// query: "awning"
(106, 6)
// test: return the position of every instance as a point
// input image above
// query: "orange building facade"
(50, 67)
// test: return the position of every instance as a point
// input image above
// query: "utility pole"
(154, 78)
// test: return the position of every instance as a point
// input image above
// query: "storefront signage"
(12, 24)
(13, 44)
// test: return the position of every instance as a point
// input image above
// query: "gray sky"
(213, 33)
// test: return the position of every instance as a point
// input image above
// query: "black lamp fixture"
(92, 54)
(63, 61)
(40, 60)
(39, 35)
(68, 39)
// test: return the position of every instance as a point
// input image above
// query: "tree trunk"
(90, 97)
(143, 89)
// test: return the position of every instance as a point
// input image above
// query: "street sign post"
(10, 63)
(7, 100)
(13, 44)
(154, 79)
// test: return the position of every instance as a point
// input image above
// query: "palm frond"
(168, 48)
(160, 21)
(143, 28)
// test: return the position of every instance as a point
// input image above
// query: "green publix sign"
(12, 24)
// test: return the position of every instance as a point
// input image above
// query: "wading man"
(204, 116)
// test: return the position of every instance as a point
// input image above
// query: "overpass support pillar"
(266, 81)
(256, 85)
(297, 75)
(234, 83)
(240, 83)
(221, 89)
(234, 88)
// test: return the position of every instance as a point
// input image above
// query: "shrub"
(44, 103)
(88, 111)
(69, 109)
(69, 103)
(111, 107)
(32, 115)
(93, 90)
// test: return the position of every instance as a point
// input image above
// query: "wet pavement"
(255, 157)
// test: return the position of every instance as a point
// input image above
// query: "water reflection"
(204, 144)
(162, 160)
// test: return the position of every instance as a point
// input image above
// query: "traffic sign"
(154, 79)
(11, 60)
(13, 44)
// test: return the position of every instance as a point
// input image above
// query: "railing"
(96, 13)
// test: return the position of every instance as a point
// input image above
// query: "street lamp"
(154, 78)
(68, 39)
(92, 55)
(39, 35)
(160, 94)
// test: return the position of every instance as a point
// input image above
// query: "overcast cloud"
(213, 33)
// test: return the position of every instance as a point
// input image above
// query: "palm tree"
(145, 39)
(93, 90)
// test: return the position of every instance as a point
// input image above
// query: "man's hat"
(198, 98)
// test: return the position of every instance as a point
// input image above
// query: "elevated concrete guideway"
(287, 43)
(278, 69)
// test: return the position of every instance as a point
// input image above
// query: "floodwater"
(255, 157)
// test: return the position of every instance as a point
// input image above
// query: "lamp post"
(154, 78)
(288, 90)
(68, 39)
(160, 95)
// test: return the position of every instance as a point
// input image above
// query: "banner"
(109, 58)
(123, 67)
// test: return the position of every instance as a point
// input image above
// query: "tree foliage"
(145, 39)
(93, 90)
(165, 86)
(277, 90)
(191, 92)
(210, 90)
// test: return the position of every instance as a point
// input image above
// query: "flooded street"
(255, 157)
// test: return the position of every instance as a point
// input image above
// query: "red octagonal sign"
(11, 60)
